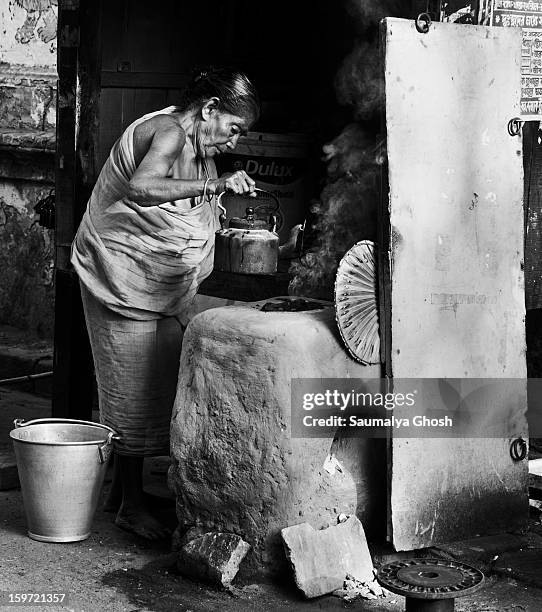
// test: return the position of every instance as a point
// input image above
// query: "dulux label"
(285, 177)
(273, 171)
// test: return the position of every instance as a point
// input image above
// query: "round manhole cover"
(430, 578)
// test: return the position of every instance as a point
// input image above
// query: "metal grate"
(430, 578)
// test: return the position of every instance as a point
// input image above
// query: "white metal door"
(456, 279)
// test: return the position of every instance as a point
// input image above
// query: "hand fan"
(356, 307)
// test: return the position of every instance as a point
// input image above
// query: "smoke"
(359, 83)
(353, 152)
(368, 13)
(346, 211)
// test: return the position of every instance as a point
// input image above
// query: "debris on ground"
(213, 557)
(355, 589)
(322, 559)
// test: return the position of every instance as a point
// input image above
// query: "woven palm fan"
(356, 308)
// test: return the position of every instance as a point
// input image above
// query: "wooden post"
(79, 53)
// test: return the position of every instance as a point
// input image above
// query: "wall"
(27, 145)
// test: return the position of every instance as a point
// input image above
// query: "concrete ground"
(117, 572)
(114, 571)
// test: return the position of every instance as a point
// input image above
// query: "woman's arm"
(150, 185)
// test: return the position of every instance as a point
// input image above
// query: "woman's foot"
(133, 515)
(142, 523)
(114, 501)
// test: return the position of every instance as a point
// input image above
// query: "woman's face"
(220, 131)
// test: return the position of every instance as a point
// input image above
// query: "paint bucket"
(280, 164)
(61, 465)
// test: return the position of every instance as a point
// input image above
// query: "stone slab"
(213, 557)
(322, 559)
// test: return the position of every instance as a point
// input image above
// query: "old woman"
(144, 245)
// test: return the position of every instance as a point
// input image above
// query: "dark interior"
(291, 50)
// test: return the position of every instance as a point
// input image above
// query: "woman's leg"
(114, 498)
(133, 514)
(157, 366)
(136, 364)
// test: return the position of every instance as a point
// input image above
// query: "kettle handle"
(256, 190)
(224, 212)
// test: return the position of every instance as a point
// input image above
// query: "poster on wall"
(457, 11)
(528, 16)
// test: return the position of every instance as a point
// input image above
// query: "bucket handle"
(23, 423)
(104, 451)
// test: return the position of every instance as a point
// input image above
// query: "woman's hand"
(238, 182)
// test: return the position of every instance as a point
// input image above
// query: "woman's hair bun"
(235, 92)
(201, 74)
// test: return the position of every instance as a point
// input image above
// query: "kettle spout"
(289, 248)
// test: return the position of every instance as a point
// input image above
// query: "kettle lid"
(248, 221)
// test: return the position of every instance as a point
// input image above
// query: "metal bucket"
(61, 464)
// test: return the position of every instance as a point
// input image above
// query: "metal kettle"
(246, 245)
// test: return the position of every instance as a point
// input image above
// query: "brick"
(213, 557)
(322, 559)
